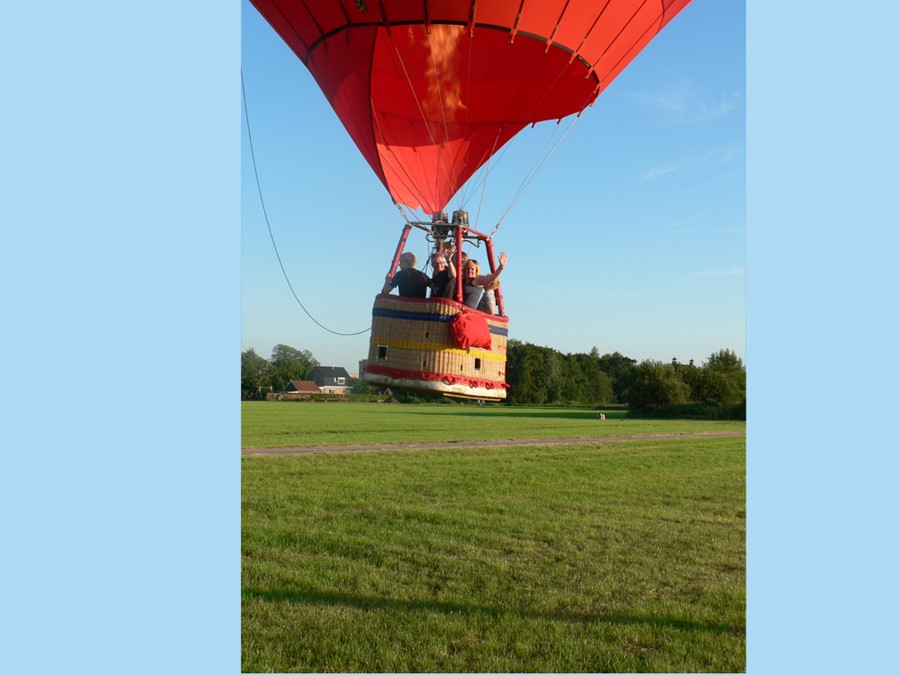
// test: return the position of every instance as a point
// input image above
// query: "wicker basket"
(411, 349)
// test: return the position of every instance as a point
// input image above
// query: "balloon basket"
(411, 349)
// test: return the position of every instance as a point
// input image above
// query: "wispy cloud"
(715, 156)
(668, 168)
(725, 154)
(733, 272)
(682, 103)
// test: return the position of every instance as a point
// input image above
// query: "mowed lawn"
(604, 557)
(270, 424)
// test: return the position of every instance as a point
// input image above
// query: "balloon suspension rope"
(266, 215)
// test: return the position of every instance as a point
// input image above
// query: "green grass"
(614, 557)
(269, 424)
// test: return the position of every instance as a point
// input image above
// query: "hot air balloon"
(430, 90)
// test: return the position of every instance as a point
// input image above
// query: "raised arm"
(485, 279)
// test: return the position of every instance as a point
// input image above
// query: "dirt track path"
(247, 452)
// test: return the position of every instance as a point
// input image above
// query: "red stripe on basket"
(446, 378)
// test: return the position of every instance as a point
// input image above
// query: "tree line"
(544, 376)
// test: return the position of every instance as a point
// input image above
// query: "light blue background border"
(121, 331)
(822, 343)
(121, 275)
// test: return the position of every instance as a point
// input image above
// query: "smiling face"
(470, 270)
(439, 262)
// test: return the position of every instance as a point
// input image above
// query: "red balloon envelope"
(430, 89)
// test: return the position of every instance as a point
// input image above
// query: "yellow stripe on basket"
(427, 347)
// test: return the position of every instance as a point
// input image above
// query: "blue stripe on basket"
(427, 316)
(415, 316)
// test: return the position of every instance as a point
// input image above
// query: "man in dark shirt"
(442, 281)
(412, 283)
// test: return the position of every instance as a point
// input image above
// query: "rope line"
(269, 226)
(524, 188)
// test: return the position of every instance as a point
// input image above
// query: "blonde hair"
(494, 285)
(407, 260)
(473, 263)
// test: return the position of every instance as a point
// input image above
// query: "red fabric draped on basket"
(470, 329)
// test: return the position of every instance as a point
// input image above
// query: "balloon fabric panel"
(429, 91)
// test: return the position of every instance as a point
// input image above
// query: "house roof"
(327, 375)
(303, 386)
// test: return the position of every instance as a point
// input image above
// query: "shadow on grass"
(364, 602)
(556, 413)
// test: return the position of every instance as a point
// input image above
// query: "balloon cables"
(269, 226)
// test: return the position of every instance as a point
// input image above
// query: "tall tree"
(599, 390)
(254, 373)
(284, 352)
(553, 374)
(724, 361)
(525, 373)
(617, 367)
(725, 378)
(289, 364)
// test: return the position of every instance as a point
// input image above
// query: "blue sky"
(631, 239)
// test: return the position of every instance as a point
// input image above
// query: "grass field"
(607, 557)
(269, 424)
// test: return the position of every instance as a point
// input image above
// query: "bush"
(710, 410)
(653, 384)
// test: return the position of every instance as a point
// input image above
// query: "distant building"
(302, 387)
(295, 390)
(332, 380)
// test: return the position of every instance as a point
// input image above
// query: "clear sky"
(631, 239)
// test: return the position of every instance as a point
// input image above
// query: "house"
(332, 380)
(303, 388)
(294, 391)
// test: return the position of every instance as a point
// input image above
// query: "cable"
(524, 187)
(266, 216)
